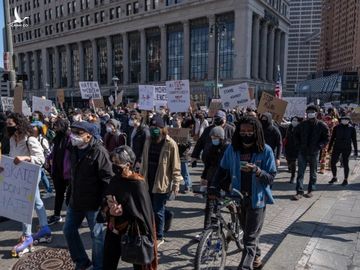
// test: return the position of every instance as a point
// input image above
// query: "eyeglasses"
(246, 133)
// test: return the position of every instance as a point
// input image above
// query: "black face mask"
(11, 130)
(117, 169)
(248, 139)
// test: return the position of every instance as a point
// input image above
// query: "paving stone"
(320, 258)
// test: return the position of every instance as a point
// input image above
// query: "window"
(88, 62)
(155, 4)
(57, 28)
(62, 26)
(46, 15)
(175, 52)
(32, 70)
(69, 7)
(63, 68)
(57, 12)
(153, 57)
(75, 67)
(118, 12)
(102, 61)
(118, 56)
(136, 7)
(87, 19)
(97, 17)
(227, 47)
(134, 55)
(102, 16)
(51, 68)
(74, 23)
(50, 14)
(128, 9)
(82, 21)
(73, 6)
(69, 22)
(61, 10)
(112, 13)
(199, 41)
(173, 2)
(147, 5)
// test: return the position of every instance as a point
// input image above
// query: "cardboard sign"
(179, 135)
(215, 105)
(18, 97)
(132, 105)
(235, 96)
(296, 106)
(18, 184)
(90, 90)
(99, 103)
(160, 97)
(26, 109)
(273, 105)
(111, 100)
(41, 105)
(146, 97)
(178, 95)
(7, 104)
(119, 98)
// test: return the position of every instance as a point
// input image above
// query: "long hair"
(22, 124)
(259, 145)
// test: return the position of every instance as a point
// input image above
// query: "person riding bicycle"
(248, 165)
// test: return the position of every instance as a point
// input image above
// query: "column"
(242, 46)
(270, 65)
(277, 52)
(69, 77)
(282, 54)
(81, 61)
(45, 66)
(109, 55)
(186, 67)
(143, 55)
(163, 52)
(36, 70)
(255, 47)
(263, 49)
(212, 53)
(27, 69)
(94, 59)
(125, 43)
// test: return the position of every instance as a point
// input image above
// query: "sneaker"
(333, 180)
(296, 197)
(309, 195)
(169, 215)
(54, 219)
(344, 183)
(160, 242)
(48, 195)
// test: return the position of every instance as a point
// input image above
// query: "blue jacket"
(261, 192)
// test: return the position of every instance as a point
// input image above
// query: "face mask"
(11, 130)
(109, 129)
(151, 116)
(215, 141)
(131, 123)
(294, 123)
(345, 122)
(155, 133)
(248, 139)
(77, 141)
(77, 118)
(218, 121)
(311, 115)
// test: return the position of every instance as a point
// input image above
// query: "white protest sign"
(146, 97)
(353, 105)
(251, 104)
(160, 97)
(296, 106)
(111, 100)
(7, 103)
(178, 95)
(235, 96)
(90, 90)
(41, 105)
(328, 105)
(18, 184)
(26, 109)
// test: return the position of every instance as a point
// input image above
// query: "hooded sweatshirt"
(272, 135)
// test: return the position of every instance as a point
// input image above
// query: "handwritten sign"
(180, 135)
(160, 97)
(235, 96)
(7, 104)
(214, 106)
(25, 108)
(111, 100)
(18, 184)
(90, 90)
(18, 97)
(60, 94)
(41, 105)
(146, 97)
(178, 95)
(296, 106)
(99, 103)
(273, 105)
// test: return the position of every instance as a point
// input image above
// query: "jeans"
(345, 159)
(45, 181)
(158, 202)
(40, 211)
(302, 163)
(185, 174)
(74, 242)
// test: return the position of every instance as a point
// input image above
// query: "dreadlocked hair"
(259, 145)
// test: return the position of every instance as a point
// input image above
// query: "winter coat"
(341, 138)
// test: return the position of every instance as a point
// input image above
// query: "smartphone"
(243, 163)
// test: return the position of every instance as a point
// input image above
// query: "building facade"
(149, 42)
(304, 40)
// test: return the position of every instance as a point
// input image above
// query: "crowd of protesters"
(118, 168)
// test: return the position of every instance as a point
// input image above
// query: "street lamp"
(218, 31)
(115, 80)
(47, 90)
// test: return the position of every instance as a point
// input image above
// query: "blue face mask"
(216, 141)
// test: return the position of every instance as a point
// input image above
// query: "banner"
(90, 90)
(7, 104)
(18, 97)
(146, 97)
(296, 106)
(235, 96)
(18, 184)
(41, 105)
(273, 105)
(179, 135)
(26, 109)
(160, 97)
(178, 95)
(214, 106)
(60, 94)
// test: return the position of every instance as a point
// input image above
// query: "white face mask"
(109, 129)
(131, 123)
(294, 123)
(77, 141)
(77, 118)
(345, 122)
(311, 115)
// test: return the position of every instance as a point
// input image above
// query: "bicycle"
(212, 250)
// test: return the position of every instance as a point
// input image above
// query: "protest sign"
(235, 96)
(296, 106)
(178, 95)
(146, 97)
(111, 100)
(99, 103)
(26, 109)
(7, 104)
(250, 104)
(90, 90)
(215, 105)
(41, 105)
(18, 97)
(160, 97)
(328, 105)
(18, 184)
(273, 105)
(180, 135)
(60, 95)
(119, 98)
(353, 105)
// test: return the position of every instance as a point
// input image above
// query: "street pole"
(9, 44)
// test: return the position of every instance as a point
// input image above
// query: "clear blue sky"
(1, 33)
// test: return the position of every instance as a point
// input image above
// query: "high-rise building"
(304, 40)
(340, 37)
(149, 42)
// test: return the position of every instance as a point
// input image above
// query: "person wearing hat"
(340, 143)
(311, 136)
(90, 175)
(161, 168)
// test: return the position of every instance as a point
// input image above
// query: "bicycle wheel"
(211, 251)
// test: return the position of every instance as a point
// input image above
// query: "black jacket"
(272, 136)
(311, 136)
(138, 142)
(204, 142)
(212, 161)
(90, 176)
(341, 138)
(291, 149)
